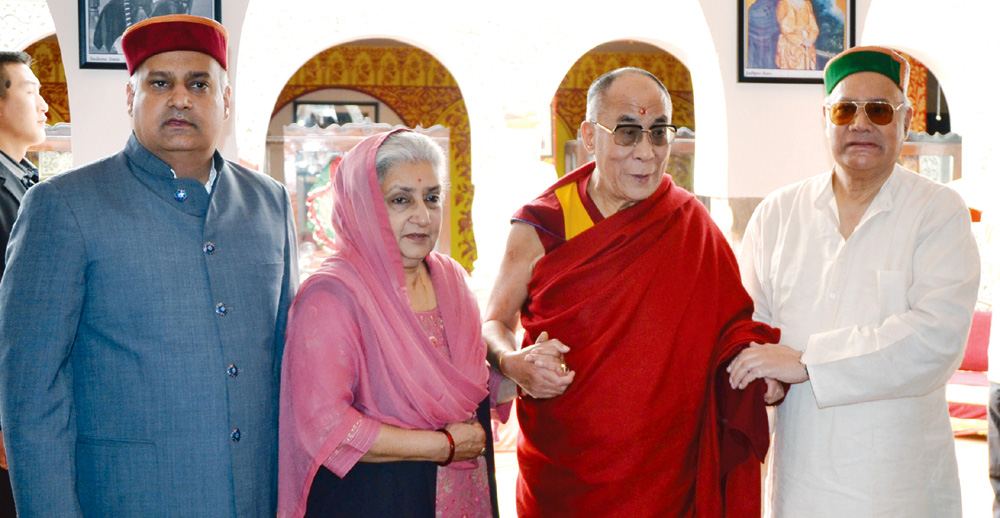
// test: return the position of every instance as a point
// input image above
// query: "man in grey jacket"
(142, 314)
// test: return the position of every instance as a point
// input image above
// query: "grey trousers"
(993, 442)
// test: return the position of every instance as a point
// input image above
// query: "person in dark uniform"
(23, 113)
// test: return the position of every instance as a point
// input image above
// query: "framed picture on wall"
(790, 41)
(323, 114)
(102, 23)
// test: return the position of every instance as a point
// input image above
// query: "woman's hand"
(394, 444)
(470, 441)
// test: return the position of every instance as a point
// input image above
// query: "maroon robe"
(650, 302)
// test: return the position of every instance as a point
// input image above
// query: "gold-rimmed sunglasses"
(631, 134)
(843, 113)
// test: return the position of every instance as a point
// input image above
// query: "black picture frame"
(760, 38)
(102, 23)
(325, 113)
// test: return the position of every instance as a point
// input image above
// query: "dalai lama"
(632, 306)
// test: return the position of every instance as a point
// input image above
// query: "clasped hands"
(539, 369)
(775, 363)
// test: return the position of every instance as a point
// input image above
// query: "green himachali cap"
(881, 60)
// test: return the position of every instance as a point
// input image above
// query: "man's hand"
(548, 354)
(539, 369)
(775, 391)
(776, 361)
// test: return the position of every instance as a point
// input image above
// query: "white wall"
(775, 132)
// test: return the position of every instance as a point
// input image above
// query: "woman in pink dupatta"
(385, 372)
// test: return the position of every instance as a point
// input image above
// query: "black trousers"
(391, 489)
(6, 496)
(404, 489)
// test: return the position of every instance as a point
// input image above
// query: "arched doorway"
(46, 63)
(930, 148)
(414, 87)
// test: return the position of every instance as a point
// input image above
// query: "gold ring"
(563, 367)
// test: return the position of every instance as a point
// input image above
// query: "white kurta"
(882, 318)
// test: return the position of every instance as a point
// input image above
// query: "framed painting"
(323, 114)
(790, 41)
(102, 23)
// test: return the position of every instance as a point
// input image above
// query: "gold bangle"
(500, 363)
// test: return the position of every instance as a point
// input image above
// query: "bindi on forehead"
(642, 110)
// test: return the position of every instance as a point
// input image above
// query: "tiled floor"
(506, 476)
(977, 496)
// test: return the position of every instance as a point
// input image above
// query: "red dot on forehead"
(642, 111)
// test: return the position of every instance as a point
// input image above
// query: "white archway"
(24, 23)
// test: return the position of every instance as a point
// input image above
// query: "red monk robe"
(650, 302)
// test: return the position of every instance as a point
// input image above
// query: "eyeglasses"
(631, 134)
(878, 112)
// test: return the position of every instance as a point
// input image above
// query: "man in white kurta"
(871, 272)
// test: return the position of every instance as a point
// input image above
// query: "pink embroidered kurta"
(356, 355)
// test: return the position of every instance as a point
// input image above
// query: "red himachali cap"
(174, 32)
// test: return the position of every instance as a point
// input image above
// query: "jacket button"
(209, 248)
(236, 435)
(232, 370)
(221, 309)
(180, 195)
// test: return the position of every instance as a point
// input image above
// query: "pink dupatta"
(356, 356)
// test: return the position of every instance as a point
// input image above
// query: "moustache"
(178, 117)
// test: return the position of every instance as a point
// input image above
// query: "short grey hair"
(410, 147)
(601, 85)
